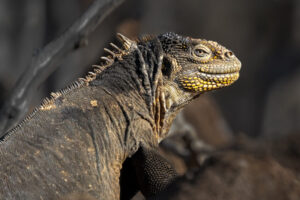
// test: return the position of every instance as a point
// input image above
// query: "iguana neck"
(141, 89)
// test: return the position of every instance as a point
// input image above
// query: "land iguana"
(77, 141)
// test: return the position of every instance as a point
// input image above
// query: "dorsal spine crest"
(115, 54)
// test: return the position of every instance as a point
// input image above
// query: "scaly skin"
(77, 141)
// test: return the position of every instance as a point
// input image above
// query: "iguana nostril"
(229, 54)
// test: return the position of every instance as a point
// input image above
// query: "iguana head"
(193, 66)
(198, 65)
(188, 68)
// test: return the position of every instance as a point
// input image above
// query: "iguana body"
(77, 141)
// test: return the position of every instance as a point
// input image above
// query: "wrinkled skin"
(76, 142)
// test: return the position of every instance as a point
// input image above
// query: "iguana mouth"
(224, 78)
(210, 77)
(220, 69)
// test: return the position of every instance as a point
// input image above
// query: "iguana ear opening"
(169, 67)
(166, 67)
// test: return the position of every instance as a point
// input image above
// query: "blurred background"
(262, 107)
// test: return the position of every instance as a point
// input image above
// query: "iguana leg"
(149, 172)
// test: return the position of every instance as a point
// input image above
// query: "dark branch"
(47, 60)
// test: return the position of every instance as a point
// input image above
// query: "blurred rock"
(205, 116)
(236, 175)
(287, 151)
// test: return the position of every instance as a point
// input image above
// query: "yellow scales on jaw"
(215, 70)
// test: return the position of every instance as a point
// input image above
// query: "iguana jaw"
(200, 81)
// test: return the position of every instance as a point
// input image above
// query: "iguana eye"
(200, 52)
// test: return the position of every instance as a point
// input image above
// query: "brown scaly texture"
(77, 141)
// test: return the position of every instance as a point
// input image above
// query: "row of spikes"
(108, 61)
(116, 53)
(28, 117)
